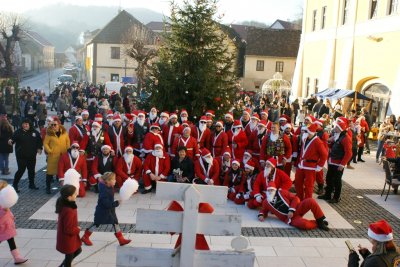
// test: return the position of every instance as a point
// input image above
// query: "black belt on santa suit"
(311, 160)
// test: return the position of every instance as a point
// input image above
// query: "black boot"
(16, 188)
(322, 224)
(325, 197)
(48, 183)
(360, 153)
(320, 189)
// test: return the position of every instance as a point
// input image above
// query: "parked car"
(65, 78)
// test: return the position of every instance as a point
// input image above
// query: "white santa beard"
(253, 125)
(128, 158)
(74, 154)
(140, 122)
(152, 116)
(158, 153)
(267, 171)
(95, 132)
(270, 196)
(208, 160)
(183, 118)
(274, 137)
(202, 127)
(161, 122)
(236, 131)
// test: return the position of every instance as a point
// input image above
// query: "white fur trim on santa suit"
(106, 146)
(380, 237)
(85, 112)
(219, 123)
(163, 114)
(173, 116)
(95, 123)
(128, 148)
(287, 125)
(236, 162)
(78, 117)
(228, 115)
(248, 167)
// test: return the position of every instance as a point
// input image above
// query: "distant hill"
(62, 24)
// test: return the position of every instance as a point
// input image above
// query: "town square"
(200, 133)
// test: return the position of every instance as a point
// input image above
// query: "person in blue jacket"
(105, 210)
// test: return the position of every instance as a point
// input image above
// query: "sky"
(233, 10)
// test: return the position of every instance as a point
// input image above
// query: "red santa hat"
(107, 147)
(343, 120)
(185, 124)
(380, 231)
(209, 118)
(320, 122)
(262, 123)
(341, 125)
(95, 123)
(247, 111)
(237, 124)
(220, 123)
(78, 117)
(249, 152)
(286, 126)
(227, 151)
(128, 148)
(284, 117)
(271, 161)
(98, 117)
(210, 113)
(229, 115)
(128, 117)
(271, 185)
(117, 117)
(310, 117)
(250, 165)
(203, 118)
(255, 116)
(186, 129)
(135, 113)
(265, 111)
(85, 112)
(155, 125)
(173, 115)
(205, 153)
(110, 113)
(312, 129)
(75, 144)
(236, 162)
(164, 114)
(141, 112)
(184, 112)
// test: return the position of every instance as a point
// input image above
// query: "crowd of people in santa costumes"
(245, 153)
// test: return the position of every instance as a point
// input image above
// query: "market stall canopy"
(340, 93)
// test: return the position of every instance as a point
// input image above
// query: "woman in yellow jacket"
(56, 142)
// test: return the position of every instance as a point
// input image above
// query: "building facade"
(351, 44)
(269, 51)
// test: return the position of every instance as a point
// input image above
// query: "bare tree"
(11, 31)
(139, 45)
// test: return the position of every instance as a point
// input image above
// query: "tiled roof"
(240, 29)
(155, 25)
(37, 38)
(270, 42)
(113, 32)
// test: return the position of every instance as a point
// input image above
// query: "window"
(115, 53)
(345, 11)
(323, 17)
(314, 20)
(316, 86)
(374, 9)
(260, 65)
(307, 86)
(114, 77)
(393, 7)
(279, 66)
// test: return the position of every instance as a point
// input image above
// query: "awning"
(340, 93)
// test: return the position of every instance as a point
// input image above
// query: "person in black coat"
(105, 210)
(28, 143)
(182, 168)
(6, 133)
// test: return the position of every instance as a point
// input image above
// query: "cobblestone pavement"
(357, 209)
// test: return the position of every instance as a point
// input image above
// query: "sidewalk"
(274, 243)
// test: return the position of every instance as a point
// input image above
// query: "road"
(41, 80)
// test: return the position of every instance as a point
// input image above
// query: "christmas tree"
(196, 67)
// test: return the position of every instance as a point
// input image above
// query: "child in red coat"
(7, 229)
(68, 240)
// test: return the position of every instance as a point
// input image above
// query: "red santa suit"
(219, 142)
(204, 171)
(125, 170)
(234, 180)
(255, 141)
(279, 149)
(294, 143)
(203, 137)
(168, 133)
(192, 149)
(248, 183)
(224, 165)
(250, 127)
(285, 202)
(152, 138)
(117, 138)
(311, 159)
(239, 141)
(79, 164)
(324, 136)
(159, 165)
(279, 177)
(79, 134)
